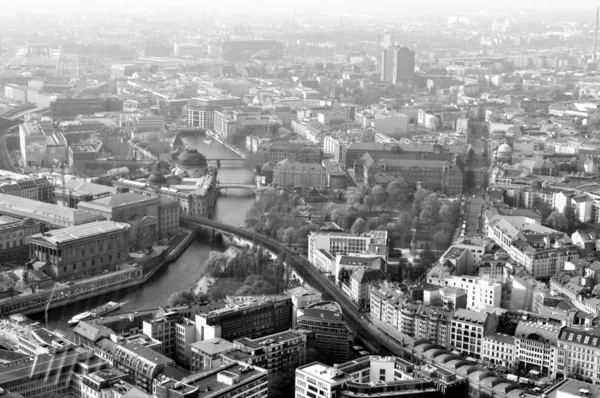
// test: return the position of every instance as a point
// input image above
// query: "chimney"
(596, 35)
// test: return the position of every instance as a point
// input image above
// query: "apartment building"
(82, 250)
(535, 347)
(374, 242)
(464, 256)
(407, 312)
(207, 354)
(468, 329)
(577, 289)
(40, 189)
(236, 380)
(200, 112)
(141, 363)
(499, 349)
(275, 352)
(578, 353)
(481, 293)
(246, 316)
(542, 251)
(175, 332)
(361, 281)
(385, 302)
(433, 323)
(326, 321)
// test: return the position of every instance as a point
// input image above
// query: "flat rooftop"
(324, 372)
(272, 339)
(209, 386)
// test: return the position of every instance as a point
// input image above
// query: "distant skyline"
(313, 6)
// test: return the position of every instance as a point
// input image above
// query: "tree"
(420, 196)
(359, 226)
(8, 281)
(444, 226)
(216, 263)
(180, 298)
(289, 235)
(372, 223)
(369, 202)
(354, 199)
(428, 257)
(557, 220)
(294, 200)
(378, 194)
(404, 221)
(31, 280)
(441, 239)
(348, 220)
(543, 208)
(337, 216)
(281, 385)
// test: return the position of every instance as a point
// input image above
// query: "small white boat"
(80, 317)
(208, 142)
(96, 312)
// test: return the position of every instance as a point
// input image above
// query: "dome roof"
(157, 179)
(267, 167)
(504, 148)
(192, 158)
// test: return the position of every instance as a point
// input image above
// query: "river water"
(183, 273)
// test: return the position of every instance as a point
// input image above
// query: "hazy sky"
(342, 6)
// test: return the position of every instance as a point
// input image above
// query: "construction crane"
(49, 301)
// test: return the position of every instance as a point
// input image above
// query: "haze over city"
(308, 199)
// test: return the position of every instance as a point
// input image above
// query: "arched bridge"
(367, 332)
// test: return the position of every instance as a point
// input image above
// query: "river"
(183, 273)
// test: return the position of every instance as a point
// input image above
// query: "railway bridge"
(372, 337)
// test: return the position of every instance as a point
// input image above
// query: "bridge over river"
(373, 337)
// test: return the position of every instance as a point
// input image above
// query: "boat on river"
(208, 142)
(96, 312)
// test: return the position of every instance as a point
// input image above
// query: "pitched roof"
(92, 331)
(367, 275)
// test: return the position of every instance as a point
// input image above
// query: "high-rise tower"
(596, 36)
(387, 57)
(403, 65)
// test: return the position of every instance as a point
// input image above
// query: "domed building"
(504, 154)
(157, 180)
(193, 163)
(266, 171)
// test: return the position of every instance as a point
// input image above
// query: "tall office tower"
(387, 56)
(404, 65)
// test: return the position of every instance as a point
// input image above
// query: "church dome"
(504, 148)
(157, 179)
(267, 168)
(192, 158)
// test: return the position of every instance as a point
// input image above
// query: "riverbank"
(127, 276)
(238, 151)
(208, 281)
